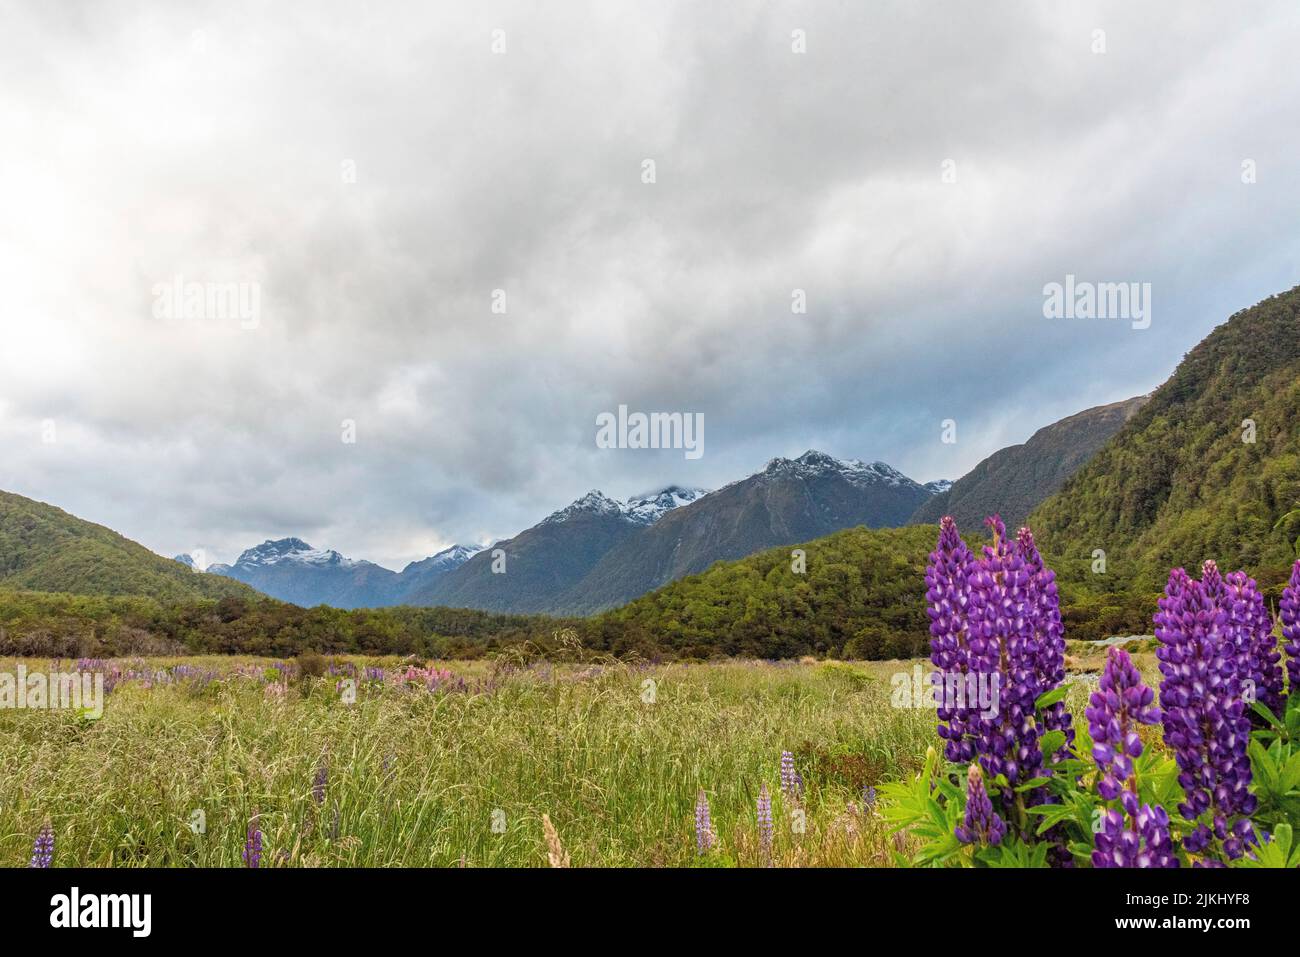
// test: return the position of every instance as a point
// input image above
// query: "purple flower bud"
(981, 825)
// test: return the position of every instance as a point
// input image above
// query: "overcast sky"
(375, 171)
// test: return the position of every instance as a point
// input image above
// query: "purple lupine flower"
(1002, 637)
(765, 821)
(1257, 656)
(1045, 612)
(981, 825)
(703, 824)
(788, 786)
(1289, 611)
(1204, 715)
(43, 849)
(947, 578)
(322, 780)
(868, 796)
(253, 844)
(1141, 840)
(1121, 702)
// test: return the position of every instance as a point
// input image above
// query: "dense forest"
(860, 595)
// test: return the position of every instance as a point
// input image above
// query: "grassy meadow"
(189, 750)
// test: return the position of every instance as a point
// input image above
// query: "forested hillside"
(1208, 468)
(43, 548)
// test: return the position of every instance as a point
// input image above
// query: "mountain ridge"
(1014, 480)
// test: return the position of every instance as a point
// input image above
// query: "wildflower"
(1049, 637)
(1140, 841)
(1121, 702)
(253, 844)
(765, 821)
(788, 776)
(947, 579)
(868, 797)
(1289, 609)
(1001, 634)
(1204, 715)
(703, 824)
(1257, 655)
(1137, 836)
(981, 825)
(43, 849)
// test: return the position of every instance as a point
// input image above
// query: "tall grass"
(418, 778)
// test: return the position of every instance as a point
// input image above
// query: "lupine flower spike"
(1120, 704)
(253, 844)
(1289, 610)
(1204, 715)
(703, 824)
(948, 591)
(789, 785)
(981, 825)
(764, 810)
(43, 849)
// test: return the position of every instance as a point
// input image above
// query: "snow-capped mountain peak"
(813, 463)
(648, 508)
(293, 550)
(939, 486)
(446, 559)
(643, 509)
(594, 502)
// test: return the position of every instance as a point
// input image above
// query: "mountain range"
(598, 552)
(1207, 466)
(291, 570)
(789, 501)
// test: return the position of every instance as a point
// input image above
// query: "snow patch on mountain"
(648, 508)
(814, 464)
(445, 560)
(296, 552)
(939, 486)
(645, 509)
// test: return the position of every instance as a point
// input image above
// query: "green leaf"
(1261, 709)
(1264, 766)
(1049, 698)
(1051, 742)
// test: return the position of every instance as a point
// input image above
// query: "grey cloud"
(207, 139)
